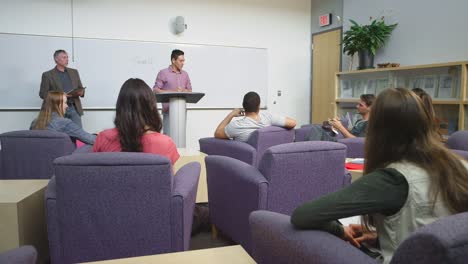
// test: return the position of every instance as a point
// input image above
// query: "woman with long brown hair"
(137, 124)
(410, 179)
(427, 103)
(51, 118)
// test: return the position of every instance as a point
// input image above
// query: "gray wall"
(321, 7)
(429, 31)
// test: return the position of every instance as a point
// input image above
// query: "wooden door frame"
(312, 61)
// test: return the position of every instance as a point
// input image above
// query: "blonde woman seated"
(410, 179)
(51, 118)
(137, 124)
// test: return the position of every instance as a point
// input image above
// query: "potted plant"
(366, 40)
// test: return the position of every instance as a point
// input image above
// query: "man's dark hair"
(368, 99)
(175, 54)
(251, 102)
(57, 52)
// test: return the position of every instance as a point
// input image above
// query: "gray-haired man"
(64, 79)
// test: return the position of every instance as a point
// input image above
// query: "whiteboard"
(223, 73)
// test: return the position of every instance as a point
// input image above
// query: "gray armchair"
(115, 205)
(287, 175)
(252, 151)
(275, 240)
(28, 154)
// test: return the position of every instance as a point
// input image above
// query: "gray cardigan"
(67, 126)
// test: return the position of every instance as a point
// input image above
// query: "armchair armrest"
(24, 254)
(235, 189)
(184, 192)
(462, 153)
(355, 147)
(52, 221)
(229, 148)
(274, 240)
(264, 138)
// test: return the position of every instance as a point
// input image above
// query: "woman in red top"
(137, 124)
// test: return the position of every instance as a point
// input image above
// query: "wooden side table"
(190, 155)
(225, 255)
(22, 214)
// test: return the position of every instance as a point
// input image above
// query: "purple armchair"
(275, 240)
(458, 142)
(35, 148)
(252, 151)
(302, 133)
(288, 175)
(21, 255)
(355, 146)
(115, 205)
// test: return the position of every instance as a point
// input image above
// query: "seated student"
(240, 129)
(359, 129)
(410, 179)
(137, 124)
(51, 118)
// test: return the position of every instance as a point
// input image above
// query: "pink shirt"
(169, 79)
(156, 143)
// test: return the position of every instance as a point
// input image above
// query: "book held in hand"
(76, 91)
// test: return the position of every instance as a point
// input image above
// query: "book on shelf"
(371, 85)
(359, 88)
(446, 86)
(430, 85)
(382, 84)
(346, 89)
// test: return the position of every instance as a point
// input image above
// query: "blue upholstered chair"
(287, 175)
(115, 205)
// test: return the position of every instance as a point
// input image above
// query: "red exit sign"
(325, 20)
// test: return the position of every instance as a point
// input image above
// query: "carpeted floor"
(204, 240)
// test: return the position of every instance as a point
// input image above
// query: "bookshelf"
(447, 83)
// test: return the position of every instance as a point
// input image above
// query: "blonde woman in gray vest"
(410, 180)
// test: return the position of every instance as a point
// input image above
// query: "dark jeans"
(317, 133)
(73, 115)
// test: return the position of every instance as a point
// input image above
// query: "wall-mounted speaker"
(179, 25)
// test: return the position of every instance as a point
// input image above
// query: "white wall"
(428, 31)
(283, 27)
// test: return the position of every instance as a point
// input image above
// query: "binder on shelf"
(446, 86)
(346, 89)
(430, 85)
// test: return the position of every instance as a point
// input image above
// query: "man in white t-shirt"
(241, 128)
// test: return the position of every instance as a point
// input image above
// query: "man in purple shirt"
(172, 79)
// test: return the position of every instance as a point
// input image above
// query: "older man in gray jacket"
(64, 79)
